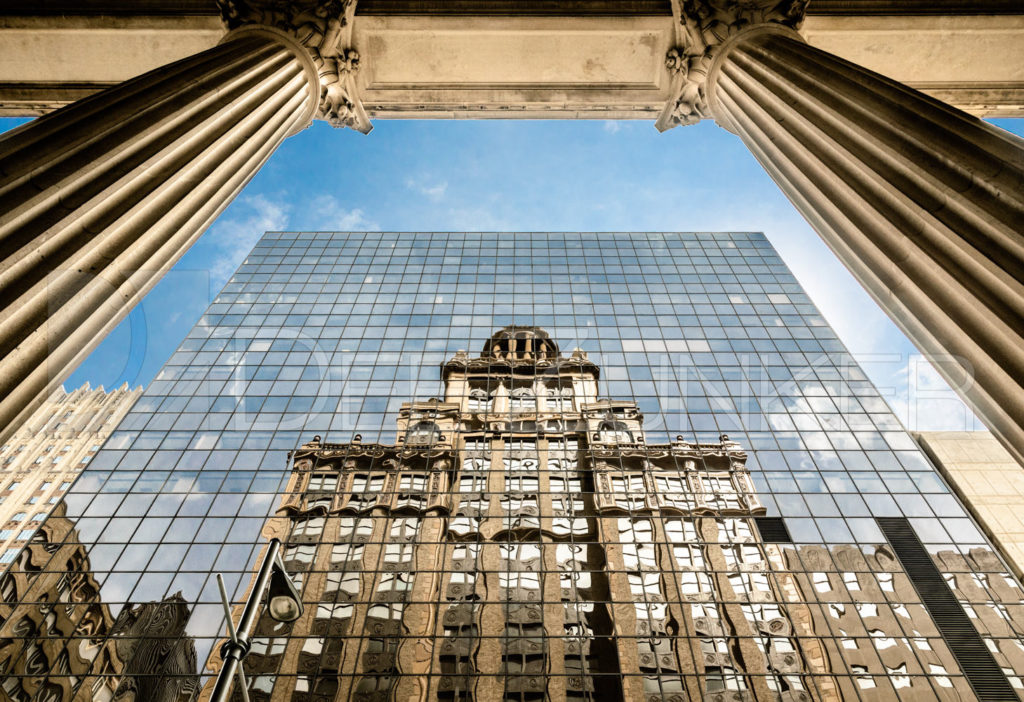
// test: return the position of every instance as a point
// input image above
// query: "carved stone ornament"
(704, 27)
(323, 28)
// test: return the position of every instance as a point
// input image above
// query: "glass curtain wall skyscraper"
(328, 334)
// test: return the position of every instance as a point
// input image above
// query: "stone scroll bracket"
(324, 29)
(704, 28)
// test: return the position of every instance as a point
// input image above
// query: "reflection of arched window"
(479, 400)
(615, 432)
(559, 399)
(392, 582)
(307, 529)
(523, 400)
(423, 433)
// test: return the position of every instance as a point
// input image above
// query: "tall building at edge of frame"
(538, 466)
(44, 456)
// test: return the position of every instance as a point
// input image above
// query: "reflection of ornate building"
(523, 541)
(872, 622)
(159, 656)
(61, 643)
(68, 634)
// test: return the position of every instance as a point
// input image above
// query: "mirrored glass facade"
(675, 580)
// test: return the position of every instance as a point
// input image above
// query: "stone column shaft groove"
(100, 198)
(67, 232)
(894, 185)
(949, 165)
(923, 203)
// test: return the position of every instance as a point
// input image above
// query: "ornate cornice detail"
(323, 27)
(704, 27)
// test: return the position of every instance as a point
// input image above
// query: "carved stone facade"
(704, 26)
(426, 59)
(324, 29)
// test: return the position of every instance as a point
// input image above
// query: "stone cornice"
(323, 27)
(704, 28)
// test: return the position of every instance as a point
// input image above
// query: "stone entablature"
(957, 52)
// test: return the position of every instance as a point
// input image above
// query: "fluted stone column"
(100, 198)
(923, 203)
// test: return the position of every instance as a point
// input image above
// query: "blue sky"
(522, 175)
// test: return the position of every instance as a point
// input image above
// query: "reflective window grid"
(583, 506)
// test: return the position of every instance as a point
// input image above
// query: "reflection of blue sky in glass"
(329, 334)
(522, 176)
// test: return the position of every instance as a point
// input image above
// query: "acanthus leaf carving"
(704, 26)
(323, 28)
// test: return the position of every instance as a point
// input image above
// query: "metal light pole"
(284, 604)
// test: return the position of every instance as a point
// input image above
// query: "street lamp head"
(284, 603)
(283, 608)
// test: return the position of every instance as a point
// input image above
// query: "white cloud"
(325, 213)
(919, 397)
(612, 126)
(476, 219)
(234, 236)
(932, 403)
(433, 190)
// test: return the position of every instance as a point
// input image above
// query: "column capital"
(704, 29)
(324, 29)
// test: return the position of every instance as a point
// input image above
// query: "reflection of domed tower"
(521, 382)
(521, 344)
